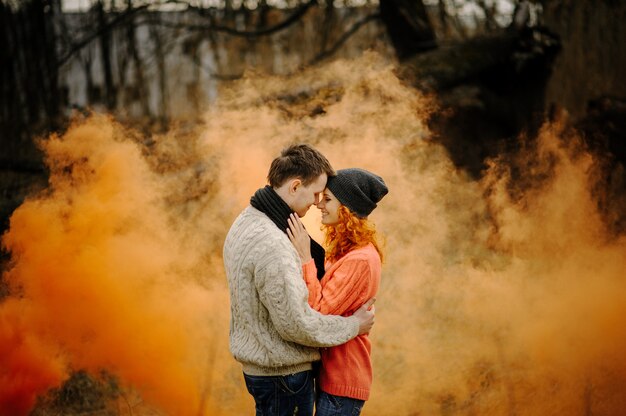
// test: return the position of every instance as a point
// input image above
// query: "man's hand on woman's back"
(365, 314)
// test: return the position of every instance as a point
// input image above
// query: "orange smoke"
(499, 296)
(96, 276)
(26, 371)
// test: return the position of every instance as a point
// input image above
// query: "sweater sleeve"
(283, 292)
(309, 272)
(342, 291)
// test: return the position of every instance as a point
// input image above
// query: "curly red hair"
(349, 233)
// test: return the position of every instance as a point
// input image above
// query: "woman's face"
(329, 205)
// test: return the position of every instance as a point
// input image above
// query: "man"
(274, 333)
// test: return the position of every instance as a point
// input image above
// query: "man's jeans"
(282, 395)
(330, 405)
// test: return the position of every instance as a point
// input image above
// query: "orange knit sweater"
(347, 285)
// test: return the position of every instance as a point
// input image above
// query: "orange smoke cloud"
(97, 274)
(499, 296)
(26, 370)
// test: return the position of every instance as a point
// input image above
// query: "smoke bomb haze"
(502, 296)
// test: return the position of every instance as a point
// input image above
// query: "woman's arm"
(343, 290)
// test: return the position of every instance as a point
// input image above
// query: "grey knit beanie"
(357, 189)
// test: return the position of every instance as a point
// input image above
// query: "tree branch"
(355, 27)
(296, 15)
(102, 30)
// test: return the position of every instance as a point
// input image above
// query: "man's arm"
(283, 292)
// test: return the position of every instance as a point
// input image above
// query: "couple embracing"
(294, 303)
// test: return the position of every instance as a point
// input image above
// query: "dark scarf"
(271, 204)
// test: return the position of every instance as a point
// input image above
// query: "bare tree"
(40, 40)
(408, 26)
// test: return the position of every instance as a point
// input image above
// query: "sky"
(464, 7)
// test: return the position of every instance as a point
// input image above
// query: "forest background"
(495, 102)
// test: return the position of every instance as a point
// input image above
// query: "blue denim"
(282, 395)
(331, 405)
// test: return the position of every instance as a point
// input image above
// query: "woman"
(353, 266)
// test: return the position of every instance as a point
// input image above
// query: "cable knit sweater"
(273, 330)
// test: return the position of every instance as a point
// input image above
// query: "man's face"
(305, 196)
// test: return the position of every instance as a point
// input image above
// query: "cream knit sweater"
(273, 331)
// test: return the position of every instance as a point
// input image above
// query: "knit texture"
(273, 330)
(357, 189)
(348, 283)
(271, 204)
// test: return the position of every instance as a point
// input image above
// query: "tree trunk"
(408, 26)
(28, 76)
(11, 109)
(159, 51)
(490, 89)
(453, 64)
(592, 63)
(105, 50)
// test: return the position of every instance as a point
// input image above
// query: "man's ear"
(294, 185)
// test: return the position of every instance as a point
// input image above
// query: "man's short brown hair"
(298, 161)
